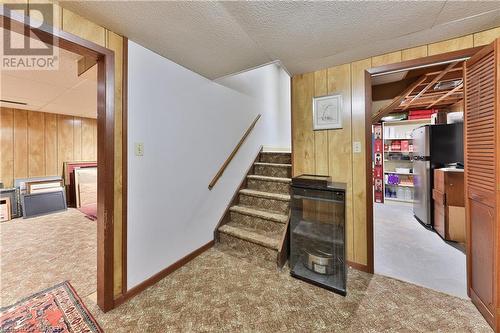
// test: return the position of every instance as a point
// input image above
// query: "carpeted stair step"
(259, 221)
(273, 169)
(249, 245)
(273, 202)
(275, 157)
(269, 184)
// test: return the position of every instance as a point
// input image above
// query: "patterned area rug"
(56, 309)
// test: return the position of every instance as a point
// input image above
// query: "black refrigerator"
(434, 146)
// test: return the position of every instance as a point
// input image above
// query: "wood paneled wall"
(35, 144)
(80, 26)
(330, 151)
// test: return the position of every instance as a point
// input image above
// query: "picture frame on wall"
(327, 112)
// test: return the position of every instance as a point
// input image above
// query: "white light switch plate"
(139, 149)
(356, 147)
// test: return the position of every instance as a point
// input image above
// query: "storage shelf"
(404, 122)
(398, 200)
(407, 161)
(400, 185)
(399, 173)
(392, 139)
(398, 151)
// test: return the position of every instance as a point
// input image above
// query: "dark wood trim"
(426, 61)
(233, 153)
(359, 267)
(285, 246)
(369, 173)
(124, 162)
(226, 217)
(163, 273)
(105, 124)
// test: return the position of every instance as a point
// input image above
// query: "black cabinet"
(317, 232)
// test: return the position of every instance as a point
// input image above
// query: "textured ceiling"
(220, 38)
(55, 91)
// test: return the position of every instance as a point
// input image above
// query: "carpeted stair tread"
(265, 195)
(281, 165)
(250, 236)
(280, 218)
(270, 179)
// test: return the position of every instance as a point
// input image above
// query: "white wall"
(269, 88)
(188, 125)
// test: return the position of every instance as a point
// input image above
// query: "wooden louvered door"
(482, 178)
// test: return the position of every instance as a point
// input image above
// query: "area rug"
(90, 211)
(56, 309)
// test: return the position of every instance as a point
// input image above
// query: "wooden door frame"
(419, 62)
(105, 136)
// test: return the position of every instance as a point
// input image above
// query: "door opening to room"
(418, 164)
(53, 124)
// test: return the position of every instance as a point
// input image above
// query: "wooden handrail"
(235, 150)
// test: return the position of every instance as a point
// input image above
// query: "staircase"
(256, 223)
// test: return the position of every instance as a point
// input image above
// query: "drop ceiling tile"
(460, 10)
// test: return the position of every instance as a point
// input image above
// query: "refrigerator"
(434, 146)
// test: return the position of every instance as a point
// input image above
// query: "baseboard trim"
(160, 275)
(359, 267)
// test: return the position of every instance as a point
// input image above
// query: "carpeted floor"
(40, 252)
(220, 293)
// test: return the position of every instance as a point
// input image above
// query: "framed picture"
(327, 112)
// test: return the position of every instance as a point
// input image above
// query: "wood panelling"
(36, 144)
(358, 160)
(77, 25)
(388, 58)
(115, 43)
(6, 146)
(308, 147)
(302, 133)
(321, 137)
(414, 53)
(486, 37)
(50, 144)
(39, 143)
(77, 139)
(20, 144)
(449, 45)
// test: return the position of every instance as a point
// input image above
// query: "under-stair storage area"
(317, 232)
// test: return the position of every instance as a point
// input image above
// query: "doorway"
(104, 60)
(418, 131)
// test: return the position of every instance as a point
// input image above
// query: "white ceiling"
(55, 91)
(219, 38)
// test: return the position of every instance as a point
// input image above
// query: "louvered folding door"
(482, 187)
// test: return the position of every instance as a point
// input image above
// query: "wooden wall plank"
(486, 37)
(77, 138)
(115, 43)
(65, 141)
(451, 45)
(77, 25)
(20, 144)
(414, 53)
(388, 58)
(36, 144)
(51, 144)
(303, 137)
(321, 137)
(88, 140)
(339, 145)
(6, 146)
(358, 160)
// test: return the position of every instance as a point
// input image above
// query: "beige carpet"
(217, 292)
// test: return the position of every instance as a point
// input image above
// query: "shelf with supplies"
(398, 151)
(399, 173)
(402, 185)
(393, 139)
(399, 200)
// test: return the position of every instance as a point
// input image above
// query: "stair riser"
(266, 186)
(276, 158)
(260, 255)
(273, 171)
(256, 223)
(272, 205)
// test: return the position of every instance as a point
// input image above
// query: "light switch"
(356, 147)
(139, 149)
